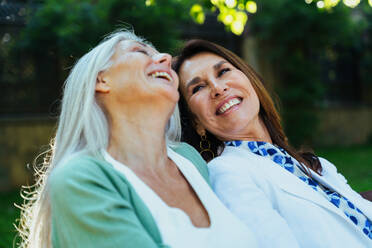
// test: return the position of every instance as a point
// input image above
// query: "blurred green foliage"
(9, 216)
(234, 13)
(365, 45)
(72, 27)
(298, 40)
(61, 31)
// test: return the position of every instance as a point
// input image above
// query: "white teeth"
(228, 105)
(161, 74)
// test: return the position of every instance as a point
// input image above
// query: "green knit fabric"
(95, 206)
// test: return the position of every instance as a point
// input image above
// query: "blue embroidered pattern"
(286, 161)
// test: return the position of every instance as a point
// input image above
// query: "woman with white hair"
(114, 178)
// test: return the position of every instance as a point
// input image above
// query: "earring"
(205, 146)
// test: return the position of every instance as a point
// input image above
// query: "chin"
(172, 96)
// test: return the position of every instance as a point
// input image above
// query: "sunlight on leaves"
(329, 4)
(150, 2)
(237, 27)
(251, 7)
(351, 3)
(234, 13)
(197, 13)
(320, 4)
(241, 6)
(230, 3)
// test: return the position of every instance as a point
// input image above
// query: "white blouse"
(174, 224)
(280, 208)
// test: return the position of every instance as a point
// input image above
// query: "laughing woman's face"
(139, 74)
(220, 96)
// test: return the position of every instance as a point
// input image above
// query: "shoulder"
(327, 167)
(185, 149)
(193, 155)
(237, 166)
(80, 173)
(78, 166)
(190, 153)
(87, 195)
(236, 159)
(330, 170)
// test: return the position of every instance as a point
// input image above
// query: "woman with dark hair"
(291, 198)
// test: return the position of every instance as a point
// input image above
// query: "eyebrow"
(141, 43)
(138, 44)
(196, 80)
(219, 64)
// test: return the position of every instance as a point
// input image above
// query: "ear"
(102, 85)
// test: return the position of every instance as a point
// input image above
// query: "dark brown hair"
(268, 112)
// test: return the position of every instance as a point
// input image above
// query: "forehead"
(199, 63)
(201, 60)
(127, 45)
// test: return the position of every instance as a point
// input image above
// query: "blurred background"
(315, 55)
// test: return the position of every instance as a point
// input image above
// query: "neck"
(137, 138)
(255, 131)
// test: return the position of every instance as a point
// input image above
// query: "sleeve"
(192, 154)
(87, 210)
(239, 192)
(331, 169)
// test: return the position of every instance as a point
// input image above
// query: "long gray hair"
(82, 127)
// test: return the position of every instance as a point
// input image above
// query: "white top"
(282, 210)
(175, 225)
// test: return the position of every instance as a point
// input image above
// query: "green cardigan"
(93, 205)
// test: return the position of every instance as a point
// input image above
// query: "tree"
(61, 31)
(234, 13)
(302, 43)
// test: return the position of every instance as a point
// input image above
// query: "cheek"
(123, 72)
(256, 101)
(199, 106)
(194, 108)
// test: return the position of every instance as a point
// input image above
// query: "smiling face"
(138, 75)
(220, 96)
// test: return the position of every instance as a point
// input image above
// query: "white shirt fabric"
(281, 209)
(175, 225)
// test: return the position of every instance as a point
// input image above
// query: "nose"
(161, 58)
(218, 89)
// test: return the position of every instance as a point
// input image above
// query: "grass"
(8, 214)
(354, 163)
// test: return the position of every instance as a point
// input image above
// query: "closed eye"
(197, 88)
(143, 51)
(223, 71)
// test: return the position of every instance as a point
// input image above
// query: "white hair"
(82, 127)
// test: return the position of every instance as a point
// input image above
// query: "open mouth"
(228, 105)
(161, 74)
